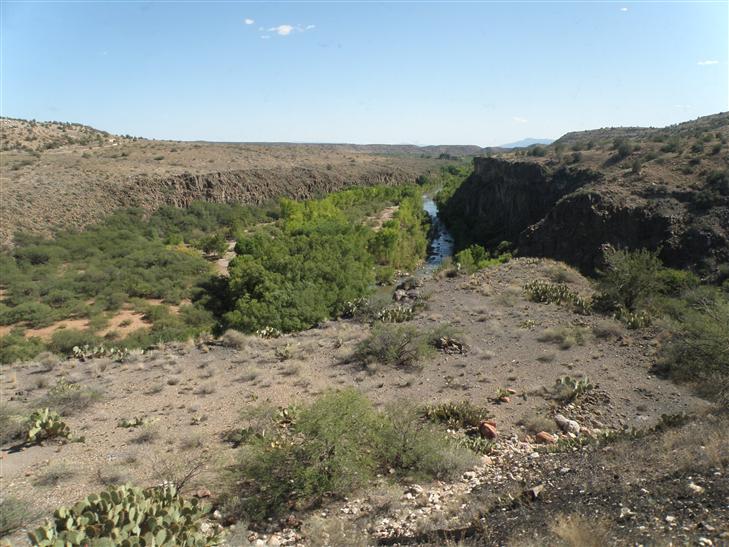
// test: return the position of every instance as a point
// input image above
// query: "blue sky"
(410, 72)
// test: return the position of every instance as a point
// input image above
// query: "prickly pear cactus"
(128, 516)
(46, 424)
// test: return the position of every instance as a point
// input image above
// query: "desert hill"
(664, 189)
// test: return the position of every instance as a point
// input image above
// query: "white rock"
(567, 425)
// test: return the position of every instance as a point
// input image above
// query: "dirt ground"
(190, 395)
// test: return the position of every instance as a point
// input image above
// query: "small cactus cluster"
(397, 314)
(551, 293)
(46, 424)
(351, 307)
(569, 388)
(268, 332)
(128, 516)
(86, 352)
(456, 415)
(133, 422)
(633, 320)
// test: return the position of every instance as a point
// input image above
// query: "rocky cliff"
(246, 186)
(571, 213)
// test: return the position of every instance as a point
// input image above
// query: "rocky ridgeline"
(571, 213)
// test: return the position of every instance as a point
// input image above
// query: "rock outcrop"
(571, 214)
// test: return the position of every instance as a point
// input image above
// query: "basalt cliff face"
(572, 214)
(246, 186)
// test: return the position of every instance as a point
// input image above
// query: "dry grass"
(55, 475)
(702, 445)
(606, 329)
(579, 531)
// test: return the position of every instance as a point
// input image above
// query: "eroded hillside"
(662, 189)
(56, 176)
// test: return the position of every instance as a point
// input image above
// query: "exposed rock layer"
(571, 214)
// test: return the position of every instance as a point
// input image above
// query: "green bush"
(699, 347)
(476, 258)
(215, 245)
(64, 340)
(16, 347)
(630, 279)
(396, 345)
(338, 443)
(127, 515)
(318, 259)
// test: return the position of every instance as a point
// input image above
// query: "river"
(441, 243)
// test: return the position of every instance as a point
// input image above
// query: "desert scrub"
(565, 337)
(12, 424)
(14, 514)
(455, 415)
(698, 349)
(338, 443)
(157, 516)
(476, 258)
(634, 286)
(67, 398)
(548, 293)
(395, 345)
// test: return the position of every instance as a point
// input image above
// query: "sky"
(413, 72)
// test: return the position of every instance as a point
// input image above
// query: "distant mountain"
(523, 143)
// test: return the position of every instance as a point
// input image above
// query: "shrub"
(16, 347)
(607, 329)
(68, 398)
(64, 340)
(630, 279)
(623, 148)
(476, 258)
(118, 515)
(338, 443)
(12, 424)
(565, 337)
(14, 514)
(215, 245)
(699, 347)
(393, 344)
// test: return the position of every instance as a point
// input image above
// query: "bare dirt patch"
(186, 392)
(46, 333)
(124, 322)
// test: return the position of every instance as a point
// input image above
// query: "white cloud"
(623, 9)
(248, 21)
(265, 37)
(708, 62)
(518, 119)
(282, 30)
(287, 30)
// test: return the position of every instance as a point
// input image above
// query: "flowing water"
(441, 243)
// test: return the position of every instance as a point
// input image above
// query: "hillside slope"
(663, 189)
(56, 175)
